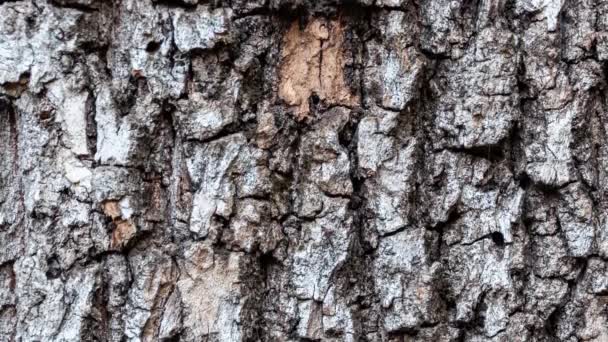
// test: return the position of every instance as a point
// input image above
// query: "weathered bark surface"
(285, 170)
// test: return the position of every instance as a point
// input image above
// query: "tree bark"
(296, 170)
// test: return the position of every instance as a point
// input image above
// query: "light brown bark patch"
(124, 229)
(122, 234)
(111, 209)
(313, 63)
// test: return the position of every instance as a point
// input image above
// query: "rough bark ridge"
(284, 170)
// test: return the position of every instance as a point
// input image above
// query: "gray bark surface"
(297, 170)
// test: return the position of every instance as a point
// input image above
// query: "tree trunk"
(290, 170)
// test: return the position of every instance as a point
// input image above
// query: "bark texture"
(296, 170)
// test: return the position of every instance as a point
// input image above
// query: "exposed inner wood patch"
(124, 230)
(313, 63)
